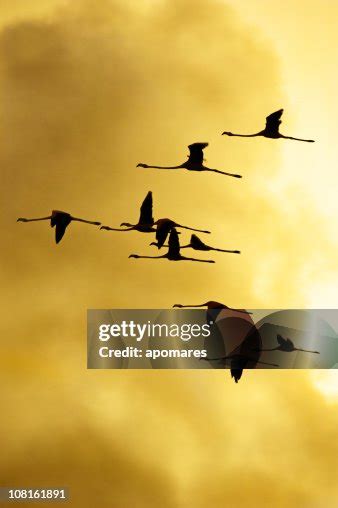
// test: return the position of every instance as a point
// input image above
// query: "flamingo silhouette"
(244, 355)
(271, 129)
(287, 346)
(164, 226)
(212, 305)
(197, 244)
(173, 253)
(146, 221)
(194, 162)
(60, 220)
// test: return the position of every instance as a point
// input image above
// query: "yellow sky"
(304, 36)
(88, 90)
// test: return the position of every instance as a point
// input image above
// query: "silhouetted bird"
(271, 130)
(194, 162)
(164, 226)
(173, 253)
(146, 221)
(231, 332)
(287, 346)
(59, 220)
(197, 244)
(211, 305)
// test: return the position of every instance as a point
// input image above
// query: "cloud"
(88, 91)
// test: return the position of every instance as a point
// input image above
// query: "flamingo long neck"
(166, 167)
(246, 135)
(198, 305)
(153, 257)
(123, 229)
(39, 218)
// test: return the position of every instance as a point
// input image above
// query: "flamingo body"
(287, 346)
(193, 163)
(173, 253)
(60, 220)
(164, 226)
(145, 223)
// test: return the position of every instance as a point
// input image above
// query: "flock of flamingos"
(164, 228)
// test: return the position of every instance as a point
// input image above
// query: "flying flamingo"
(287, 346)
(194, 162)
(146, 221)
(271, 129)
(197, 244)
(212, 305)
(243, 355)
(164, 226)
(60, 220)
(173, 253)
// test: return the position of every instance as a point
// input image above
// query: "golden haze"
(88, 90)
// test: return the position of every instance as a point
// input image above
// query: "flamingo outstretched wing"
(146, 211)
(197, 243)
(236, 368)
(196, 152)
(273, 121)
(174, 244)
(162, 230)
(281, 341)
(60, 220)
(290, 343)
(60, 229)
